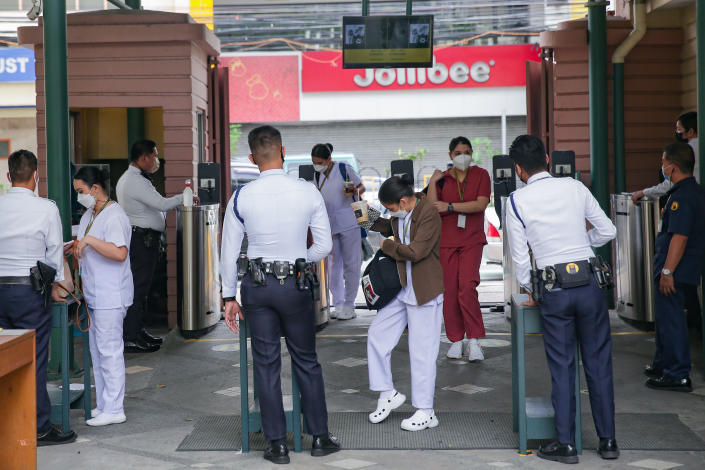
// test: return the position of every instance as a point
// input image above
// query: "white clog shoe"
(385, 406)
(95, 412)
(420, 421)
(105, 419)
(346, 313)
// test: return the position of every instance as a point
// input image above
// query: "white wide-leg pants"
(424, 341)
(345, 263)
(107, 354)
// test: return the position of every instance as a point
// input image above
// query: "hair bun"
(330, 147)
(407, 179)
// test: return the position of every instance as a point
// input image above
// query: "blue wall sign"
(16, 65)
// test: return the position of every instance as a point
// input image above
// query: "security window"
(5, 148)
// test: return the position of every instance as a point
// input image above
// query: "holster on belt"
(307, 278)
(258, 272)
(42, 278)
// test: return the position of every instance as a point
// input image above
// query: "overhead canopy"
(318, 23)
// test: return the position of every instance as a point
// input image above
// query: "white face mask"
(86, 200)
(320, 168)
(400, 214)
(462, 161)
(36, 180)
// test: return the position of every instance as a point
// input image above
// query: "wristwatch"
(666, 272)
(229, 299)
(450, 207)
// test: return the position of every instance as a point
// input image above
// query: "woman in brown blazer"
(416, 227)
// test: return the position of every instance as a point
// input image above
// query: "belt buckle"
(280, 270)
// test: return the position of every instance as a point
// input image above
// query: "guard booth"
(142, 74)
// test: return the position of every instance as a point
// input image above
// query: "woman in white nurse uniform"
(340, 186)
(102, 249)
(416, 227)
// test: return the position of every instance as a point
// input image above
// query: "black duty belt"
(577, 274)
(145, 231)
(16, 280)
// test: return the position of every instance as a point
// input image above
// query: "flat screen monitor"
(387, 41)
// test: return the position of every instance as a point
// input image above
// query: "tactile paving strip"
(457, 430)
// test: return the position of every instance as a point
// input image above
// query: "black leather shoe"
(653, 372)
(324, 445)
(608, 449)
(672, 385)
(277, 453)
(54, 437)
(140, 346)
(557, 452)
(151, 339)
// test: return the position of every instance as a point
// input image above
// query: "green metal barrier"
(533, 416)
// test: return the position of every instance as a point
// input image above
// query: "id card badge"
(461, 220)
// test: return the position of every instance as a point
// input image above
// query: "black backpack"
(380, 281)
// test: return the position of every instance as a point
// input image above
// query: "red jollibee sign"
(455, 67)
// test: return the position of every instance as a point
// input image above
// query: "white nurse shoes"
(419, 421)
(456, 350)
(334, 312)
(346, 313)
(475, 351)
(385, 406)
(95, 412)
(105, 419)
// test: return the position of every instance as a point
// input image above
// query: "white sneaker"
(385, 406)
(95, 412)
(456, 350)
(347, 313)
(475, 351)
(104, 419)
(420, 421)
(333, 312)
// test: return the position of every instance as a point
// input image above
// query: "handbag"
(380, 281)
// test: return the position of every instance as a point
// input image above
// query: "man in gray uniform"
(145, 207)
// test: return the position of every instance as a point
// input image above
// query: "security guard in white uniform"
(276, 212)
(30, 231)
(550, 215)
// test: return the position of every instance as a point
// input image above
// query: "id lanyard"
(90, 224)
(461, 193)
(320, 188)
(406, 226)
(88, 229)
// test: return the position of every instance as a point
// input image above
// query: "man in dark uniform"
(276, 211)
(680, 247)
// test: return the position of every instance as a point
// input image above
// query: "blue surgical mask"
(663, 172)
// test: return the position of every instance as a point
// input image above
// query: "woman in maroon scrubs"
(461, 195)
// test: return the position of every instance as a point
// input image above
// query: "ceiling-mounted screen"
(387, 41)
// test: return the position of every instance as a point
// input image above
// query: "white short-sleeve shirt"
(107, 284)
(340, 214)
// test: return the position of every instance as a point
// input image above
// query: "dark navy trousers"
(273, 311)
(581, 313)
(23, 309)
(672, 341)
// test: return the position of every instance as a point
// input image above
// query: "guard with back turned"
(276, 211)
(31, 266)
(549, 215)
(678, 259)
